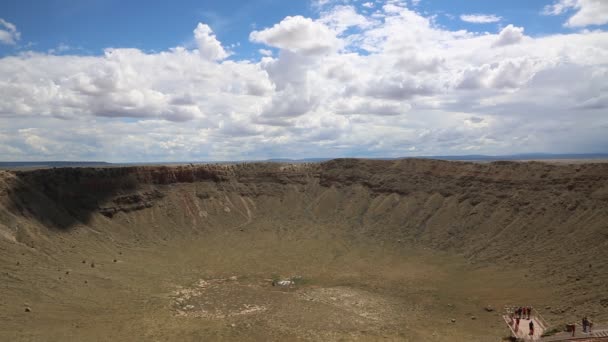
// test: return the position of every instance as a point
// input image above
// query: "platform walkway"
(522, 332)
(597, 334)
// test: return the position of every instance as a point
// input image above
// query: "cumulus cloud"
(299, 35)
(480, 18)
(296, 90)
(398, 87)
(509, 35)
(391, 83)
(176, 85)
(587, 12)
(8, 33)
(365, 106)
(340, 18)
(208, 46)
(510, 73)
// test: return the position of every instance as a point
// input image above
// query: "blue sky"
(215, 80)
(89, 26)
(149, 25)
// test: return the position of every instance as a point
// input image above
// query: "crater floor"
(219, 286)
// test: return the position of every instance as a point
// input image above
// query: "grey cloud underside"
(397, 85)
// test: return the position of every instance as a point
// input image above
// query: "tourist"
(529, 310)
(516, 324)
(519, 312)
(531, 328)
(584, 324)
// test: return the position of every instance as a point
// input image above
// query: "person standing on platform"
(531, 328)
(519, 312)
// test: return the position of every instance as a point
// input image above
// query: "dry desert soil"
(406, 250)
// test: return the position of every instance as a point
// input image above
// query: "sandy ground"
(405, 251)
(193, 289)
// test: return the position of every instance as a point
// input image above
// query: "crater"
(367, 249)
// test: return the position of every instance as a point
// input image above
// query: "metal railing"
(509, 311)
(540, 318)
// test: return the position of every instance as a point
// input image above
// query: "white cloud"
(510, 35)
(299, 35)
(321, 3)
(400, 86)
(208, 46)
(292, 101)
(176, 85)
(265, 52)
(396, 85)
(340, 18)
(588, 12)
(393, 7)
(8, 33)
(510, 73)
(559, 7)
(480, 18)
(366, 106)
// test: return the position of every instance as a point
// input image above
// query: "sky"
(152, 81)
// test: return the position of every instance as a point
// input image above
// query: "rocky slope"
(549, 219)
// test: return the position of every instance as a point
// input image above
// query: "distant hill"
(472, 157)
(50, 164)
(525, 156)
